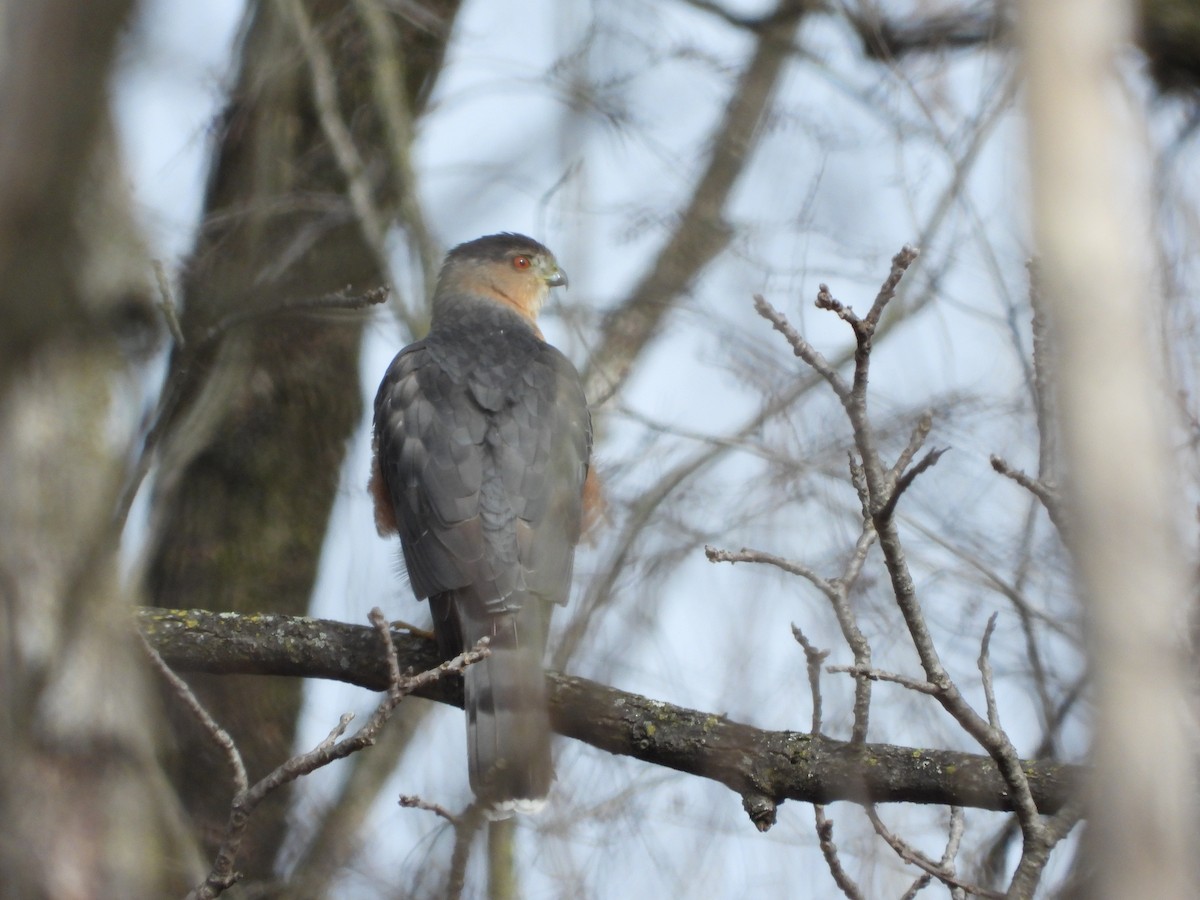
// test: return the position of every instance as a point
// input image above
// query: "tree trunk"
(261, 400)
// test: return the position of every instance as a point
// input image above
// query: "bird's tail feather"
(508, 724)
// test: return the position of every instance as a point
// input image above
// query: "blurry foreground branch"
(1122, 495)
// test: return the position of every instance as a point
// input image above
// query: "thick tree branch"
(764, 767)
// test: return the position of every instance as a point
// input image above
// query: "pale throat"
(522, 292)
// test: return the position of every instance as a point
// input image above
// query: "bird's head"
(510, 268)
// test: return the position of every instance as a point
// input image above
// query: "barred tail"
(508, 723)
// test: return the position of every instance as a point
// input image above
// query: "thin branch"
(958, 828)
(837, 591)
(813, 659)
(887, 291)
(184, 693)
(912, 855)
(862, 547)
(1046, 493)
(923, 881)
(701, 232)
(928, 461)
(1035, 855)
(323, 77)
(913, 684)
(465, 829)
(409, 801)
(716, 555)
(915, 442)
(222, 875)
(829, 850)
(801, 347)
(881, 511)
(954, 838)
(985, 671)
(388, 71)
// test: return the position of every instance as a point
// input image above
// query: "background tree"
(912, 630)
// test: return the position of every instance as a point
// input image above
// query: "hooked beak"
(558, 278)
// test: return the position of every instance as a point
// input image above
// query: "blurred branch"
(942, 869)
(371, 218)
(700, 233)
(339, 301)
(887, 38)
(1046, 493)
(768, 766)
(56, 56)
(336, 831)
(83, 800)
(388, 76)
(247, 797)
(1123, 493)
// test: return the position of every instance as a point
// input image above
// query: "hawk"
(482, 441)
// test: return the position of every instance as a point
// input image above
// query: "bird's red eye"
(521, 262)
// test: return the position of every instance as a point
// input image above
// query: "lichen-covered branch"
(764, 767)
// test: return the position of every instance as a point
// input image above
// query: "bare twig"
(985, 671)
(408, 801)
(801, 347)
(465, 829)
(954, 836)
(928, 461)
(911, 854)
(958, 828)
(813, 658)
(714, 554)
(880, 495)
(1046, 493)
(222, 875)
(915, 442)
(829, 850)
(837, 591)
(900, 264)
(913, 684)
(188, 698)
(1034, 856)
(923, 881)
